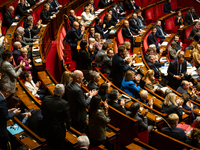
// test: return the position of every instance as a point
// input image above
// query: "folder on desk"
(15, 129)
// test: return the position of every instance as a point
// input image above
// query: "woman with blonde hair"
(171, 104)
(149, 80)
(196, 55)
(86, 15)
(128, 84)
(65, 79)
(98, 41)
(23, 57)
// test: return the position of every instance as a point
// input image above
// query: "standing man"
(78, 102)
(5, 113)
(55, 112)
(191, 15)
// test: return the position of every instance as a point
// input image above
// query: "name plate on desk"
(14, 23)
(164, 43)
(38, 60)
(112, 31)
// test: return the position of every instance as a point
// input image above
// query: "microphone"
(167, 123)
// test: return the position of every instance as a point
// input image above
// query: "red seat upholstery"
(96, 2)
(159, 11)
(145, 44)
(79, 12)
(1, 17)
(102, 16)
(2, 1)
(138, 2)
(116, 48)
(187, 33)
(170, 26)
(149, 15)
(120, 38)
(144, 136)
(174, 5)
(145, 3)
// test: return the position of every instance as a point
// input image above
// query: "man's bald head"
(11, 9)
(126, 23)
(71, 12)
(17, 45)
(143, 95)
(77, 76)
(76, 25)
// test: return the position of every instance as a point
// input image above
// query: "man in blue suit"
(5, 114)
(173, 131)
(151, 39)
(176, 71)
(160, 32)
(53, 6)
(119, 66)
(73, 36)
(131, 5)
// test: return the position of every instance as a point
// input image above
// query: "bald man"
(7, 19)
(78, 102)
(16, 50)
(127, 32)
(72, 17)
(73, 36)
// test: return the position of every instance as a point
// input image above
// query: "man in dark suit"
(149, 52)
(176, 71)
(127, 32)
(134, 26)
(100, 55)
(131, 5)
(16, 50)
(115, 13)
(107, 63)
(36, 28)
(104, 3)
(160, 32)
(72, 17)
(53, 6)
(119, 66)
(31, 2)
(21, 9)
(191, 15)
(29, 32)
(5, 113)
(7, 19)
(93, 83)
(78, 102)
(173, 131)
(154, 65)
(185, 85)
(151, 39)
(55, 112)
(195, 33)
(113, 101)
(45, 14)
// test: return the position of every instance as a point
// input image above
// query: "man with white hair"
(143, 98)
(78, 102)
(7, 18)
(55, 112)
(83, 142)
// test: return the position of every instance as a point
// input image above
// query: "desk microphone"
(167, 123)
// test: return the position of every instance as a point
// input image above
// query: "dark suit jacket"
(27, 35)
(114, 15)
(172, 109)
(118, 68)
(7, 20)
(52, 7)
(20, 10)
(193, 34)
(142, 122)
(16, 54)
(134, 25)
(167, 8)
(181, 21)
(121, 10)
(99, 58)
(175, 132)
(4, 116)
(31, 2)
(117, 106)
(108, 24)
(159, 33)
(86, 59)
(106, 65)
(92, 85)
(77, 102)
(72, 19)
(126, 33)
(154, 66)
(140, 22)
(151, 39)
(181, 90)
(188, 17)
(73, 36)
(103, 3)
(45, 15)
(55, 112)
(129, 6)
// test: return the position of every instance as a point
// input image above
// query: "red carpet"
(52, 62)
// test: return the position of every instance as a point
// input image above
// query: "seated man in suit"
(53, 6)
(122, 12)
(195, 33)
(172, 130)
(108, 23)
(78, 101)
(7, 19)
(143, 98)
(72, 17)
(104, 3)
(154, 65)
(45, 14)
(149, 52)
(21, 9)
(127, 32)
(131, 5)
(140, 20)
(36, 28)
(115, 13)
(141, 117)
(134, 26)
(176, 71)
(119, 66)
(107, 63)
(93, 83)
(16, 50)
(151, 39)
(160, 32)
(115, 103)
(173, 53)
(178, 43)
(72, 37)
(185, 85)
(100, 55)
(158, 55)
(191, 15)
(29, 32)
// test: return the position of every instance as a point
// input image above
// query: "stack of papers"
(38, 60)
(164, 43)
(164, 69)
(138, 64)
(14, 24)
(44, 25)
(163, 89)
(192, 70)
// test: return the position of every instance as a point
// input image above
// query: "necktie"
(57, 3)
(130, 32)
(191, 16)
(30, 34)
(179, 69)
(162, 31)
(155, 67)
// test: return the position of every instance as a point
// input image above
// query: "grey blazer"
(9, 73)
